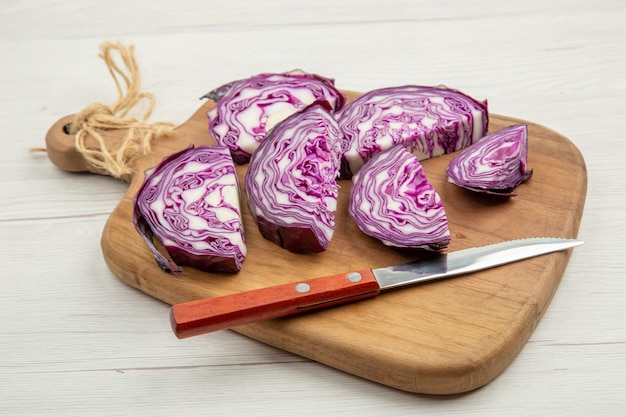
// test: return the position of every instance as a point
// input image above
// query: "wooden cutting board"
(439, 338)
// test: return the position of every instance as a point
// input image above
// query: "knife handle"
(211, 314)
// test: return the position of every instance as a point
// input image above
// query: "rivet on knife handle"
(219, 313)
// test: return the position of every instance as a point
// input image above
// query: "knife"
(207, 315)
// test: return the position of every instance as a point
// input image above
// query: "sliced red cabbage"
(392, 200)
(291, 181)
(496, 164)
(190, 202)
(428, 121)
(247, 109)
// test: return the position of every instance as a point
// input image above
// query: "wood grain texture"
(439, 338)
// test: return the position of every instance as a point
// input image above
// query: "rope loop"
(97, 118)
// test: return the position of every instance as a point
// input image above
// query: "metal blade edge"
(469, 260)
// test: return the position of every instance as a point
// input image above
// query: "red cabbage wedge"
(494, 165)
(291, 181)
(190, 202)
(428, 121)
(247, 109)
(392, 200)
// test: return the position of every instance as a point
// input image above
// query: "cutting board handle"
(105, 139)
(106, 151)
(61, 149)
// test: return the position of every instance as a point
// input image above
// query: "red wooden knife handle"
(212, 314)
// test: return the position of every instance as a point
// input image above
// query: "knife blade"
(207, 315)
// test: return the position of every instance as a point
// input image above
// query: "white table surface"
(76, 341)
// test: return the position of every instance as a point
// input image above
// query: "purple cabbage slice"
(392, 200)
(190, 202)
(247, 109)
(496, 164)
(428, 121)
(291, 181)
